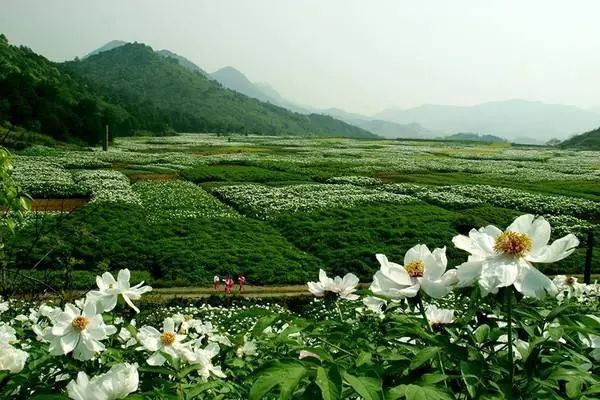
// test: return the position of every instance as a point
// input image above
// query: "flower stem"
(337, 305)
(508, 298)
(422, 310)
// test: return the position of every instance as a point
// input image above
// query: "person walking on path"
(241, 281)
(216, 281)
(228, 285)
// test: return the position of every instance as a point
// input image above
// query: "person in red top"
(241, 281)
(228, 285)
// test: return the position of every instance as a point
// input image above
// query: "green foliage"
(161, 93)
(585, 141)
(178, 252)
(36, 95)
(238, 173)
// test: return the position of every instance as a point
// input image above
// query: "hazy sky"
(361, 56)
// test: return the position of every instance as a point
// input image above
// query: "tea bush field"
(180, 209)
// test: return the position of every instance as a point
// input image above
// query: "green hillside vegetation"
(37, 96)
(162, 93)
(588, 141)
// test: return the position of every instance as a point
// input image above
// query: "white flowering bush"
(491, 328)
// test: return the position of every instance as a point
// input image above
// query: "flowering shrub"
(492, 328)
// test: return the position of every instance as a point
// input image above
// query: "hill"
(510, 119)
(38, 96)
(184, 62)
(113, 44)
(233, 79)
(587, 141)
(475, 137)
(161, 92)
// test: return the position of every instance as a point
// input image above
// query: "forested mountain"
(585, 141)
(161, 93)
(37, 95)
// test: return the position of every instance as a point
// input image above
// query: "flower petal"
(556, 251)
(533, 283)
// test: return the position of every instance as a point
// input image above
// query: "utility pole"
(105, 141)
(587, 269)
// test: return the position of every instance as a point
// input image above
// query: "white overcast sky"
(359, 55)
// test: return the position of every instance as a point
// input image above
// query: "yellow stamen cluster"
(167, 338)
(80, 323)
(415, 268)
(187, 317)
(569, 280)
(513, 243)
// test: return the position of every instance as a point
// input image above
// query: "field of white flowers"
(493, 327)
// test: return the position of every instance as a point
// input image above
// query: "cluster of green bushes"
(177, 253)
(238, 173)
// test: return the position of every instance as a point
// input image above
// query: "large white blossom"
(423, 270)
(11, 358)
(78, 331)
(343, 287)
(110, 289)
(503, 258)
(117, 383)
(439, 316)
(166, 342)
(202, 357)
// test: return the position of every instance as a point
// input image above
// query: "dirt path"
(62, 205)
(249, 291)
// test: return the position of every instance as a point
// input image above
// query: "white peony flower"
(168, 342)
(375, 304)
(568, 287)
(203, 358)
(126, 338)
(117, 383)
(4, 306)
(247, 349)
(7, 334)
(78, 331)
(501, 259)
(109, 290)
(12, 359)
(423, 270)
(439, 316)
(343, 287)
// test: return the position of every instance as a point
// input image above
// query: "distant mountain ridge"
(510, 119)
(519, 121)
(475, 137)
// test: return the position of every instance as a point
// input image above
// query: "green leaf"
(263, 323)
(423, 356)
(482, 333)
(470, 373)
(574, 388)
(330, 383)
(414, 392)
(285, 374)
(369, 388)
(364, 358)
